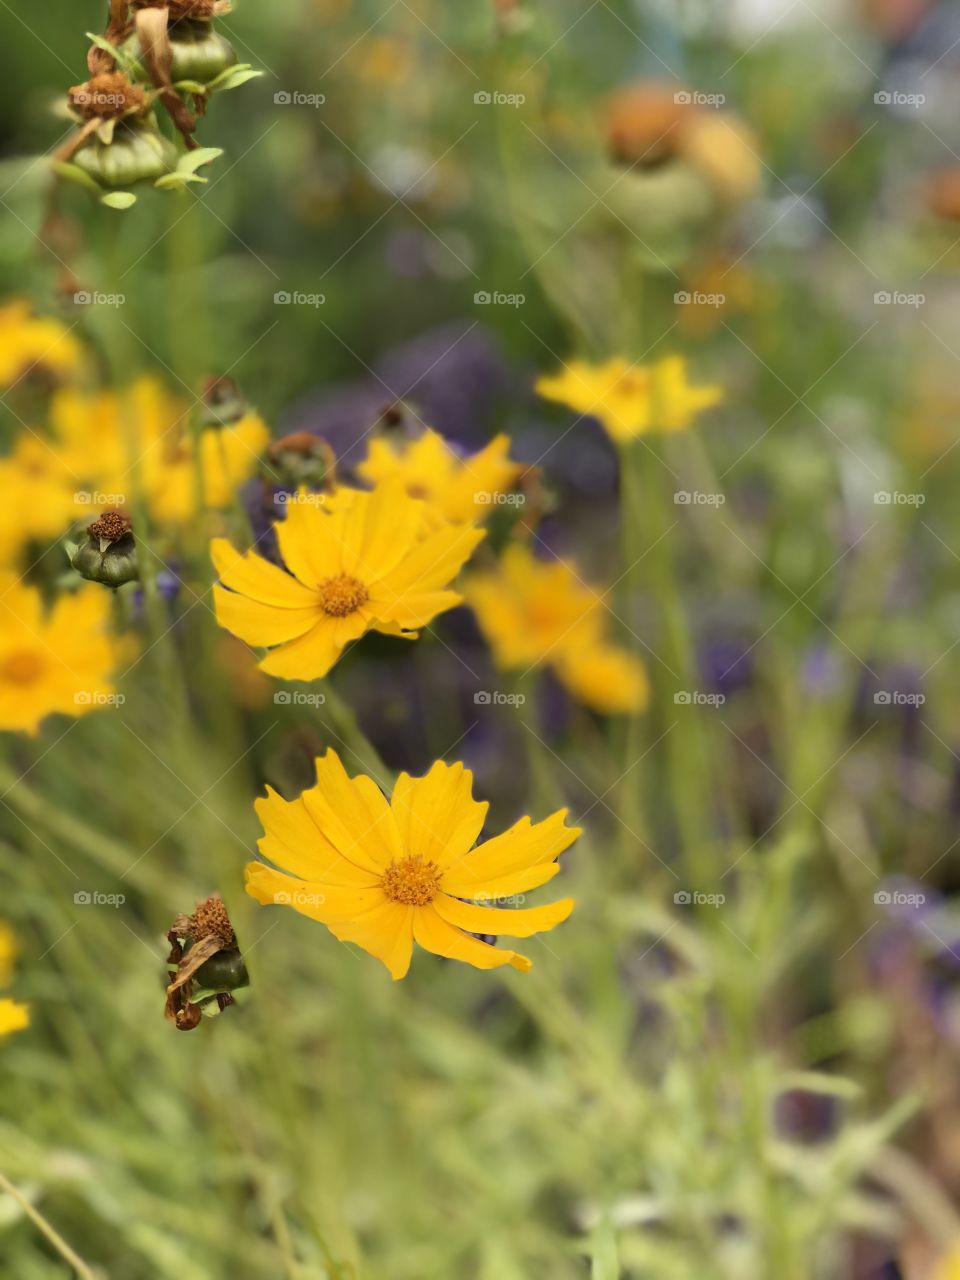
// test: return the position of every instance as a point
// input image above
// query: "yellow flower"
(29, 343)
(8, 952)
(13, 1017)
(537, 612)
(462, 490)
(363, 562)
(55, 662)
(631, 400)
(229, 455)
(384, 876)
(39, 494)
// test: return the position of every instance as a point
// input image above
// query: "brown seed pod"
(107, 97)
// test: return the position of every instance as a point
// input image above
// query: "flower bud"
(302, 460)
(224, 971)
(198, 53)
(137, 153)
(108, 552)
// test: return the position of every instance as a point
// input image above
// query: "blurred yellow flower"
(39, 496)
(229, 455)
(8, 953)
(52, 662)
(631, 400)
(461, 490)
(103, 435)
(538, 612)
(948, 1268)
(30, 343)
(384, 876)
(13, 1016)
(366, 561)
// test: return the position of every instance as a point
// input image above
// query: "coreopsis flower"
(461, 489)
(39, 498)
(356, 562)
(631, 400)
(228, 456)
(34, 344)
(57, 661)
(536, 613)
(386, 875)
(14, 1016)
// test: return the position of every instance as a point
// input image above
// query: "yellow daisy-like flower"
(59, 661)
(39, 497)
(97, 431)
(631, 400)
(384, 876)
(30, 343)
(363, 561)
(538, 612)
(229, 455)
(462, 490)
(14, 1016)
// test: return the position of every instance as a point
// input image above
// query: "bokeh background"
(419, 205)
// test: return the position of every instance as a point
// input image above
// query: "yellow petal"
(13, 1016)
(293, 841)
(386, 932)
(325, 903)
(433, 933)
(412, 611)
(255, 577)
(354, 815)
(438, 818)
(431, 564)
(523, 846)
(261, 624)
(311, 655)
(309, 543)
(499, 920)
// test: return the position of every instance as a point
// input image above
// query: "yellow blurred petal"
(437, 816)
(251, 575)
(325, 903)
(386, 932)
(261, 624)
(312, 655)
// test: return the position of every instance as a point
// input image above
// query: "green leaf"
(604, 1258)
(73, 173)
(190, 86)
(118, 199)
(234, 79)
(193, 160)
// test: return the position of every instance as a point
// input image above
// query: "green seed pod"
(138, 153)
(224, 971)
(199, 53)
(108, 552)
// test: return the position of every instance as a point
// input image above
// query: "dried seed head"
(644, 123)
(107, 97)
(111, 526)
(210, 920)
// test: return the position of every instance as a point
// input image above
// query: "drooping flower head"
(357, 562)
(537, 613)
(53, 662)
(385, 875)
(631, 400)
(462, 489)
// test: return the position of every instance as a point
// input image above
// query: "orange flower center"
(21, 667)
(342, 595)
(413, 882)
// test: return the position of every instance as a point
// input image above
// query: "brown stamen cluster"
(210, 920)
(107, 97)
(111, 526)
(342, 595)
(412, 882)
(21, 667)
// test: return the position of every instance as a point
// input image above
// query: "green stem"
(46, 1229)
